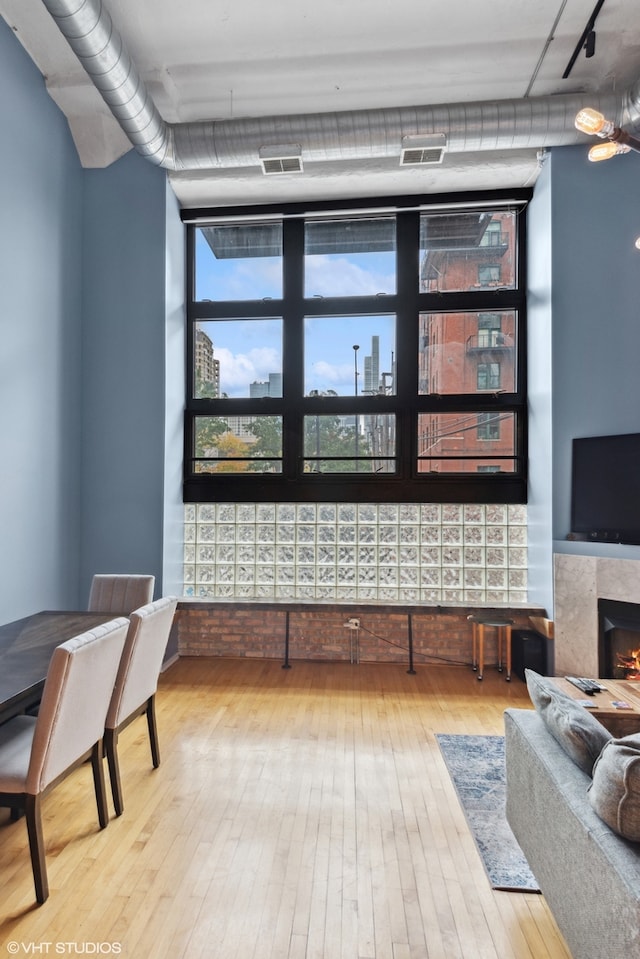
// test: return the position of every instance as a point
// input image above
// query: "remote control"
(587, 686)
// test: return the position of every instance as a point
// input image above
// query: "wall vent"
(281, 159)
(423, 150)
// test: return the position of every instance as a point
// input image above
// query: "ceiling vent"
(281, 159)
(423, 149)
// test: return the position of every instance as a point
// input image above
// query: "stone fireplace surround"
(579, 581)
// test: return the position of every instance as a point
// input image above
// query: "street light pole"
(356, 347)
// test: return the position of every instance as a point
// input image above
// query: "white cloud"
(235, 369)
(324, 376)
(338, 276)
(238, 370)
(265, 360)
(239, 279)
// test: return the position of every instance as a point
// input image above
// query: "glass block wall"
(405, 553)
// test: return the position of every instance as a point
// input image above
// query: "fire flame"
(631, 664)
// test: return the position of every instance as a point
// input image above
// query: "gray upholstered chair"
(36, 753)
(136, 684)
(120, 593)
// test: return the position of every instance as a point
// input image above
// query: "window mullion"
(293, 345)
(408, 267)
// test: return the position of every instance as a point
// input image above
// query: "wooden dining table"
(26, 646)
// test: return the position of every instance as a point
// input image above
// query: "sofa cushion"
(614, 793)
(578, 732)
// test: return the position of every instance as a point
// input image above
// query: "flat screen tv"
(605, 489)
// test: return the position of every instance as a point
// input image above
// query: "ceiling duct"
(340, 137)
(423, 150)
(281, 159)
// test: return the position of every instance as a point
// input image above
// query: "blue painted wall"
(583, 337)
(596, 315)
(91, 290)
(539, 320)
(123, 360)
(173, 527)
(40, 353)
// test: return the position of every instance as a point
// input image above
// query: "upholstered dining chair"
(137, 682)
(36, 753)
(120, 593)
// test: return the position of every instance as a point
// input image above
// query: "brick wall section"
(317, 632)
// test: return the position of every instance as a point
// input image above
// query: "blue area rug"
(476, 766)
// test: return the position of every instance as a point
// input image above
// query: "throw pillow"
(614, 793)
(578, 732)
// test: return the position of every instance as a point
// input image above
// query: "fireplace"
(618, 640)
(578, 582)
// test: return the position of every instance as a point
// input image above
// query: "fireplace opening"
(618, 640)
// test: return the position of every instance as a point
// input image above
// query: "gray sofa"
(589, 876)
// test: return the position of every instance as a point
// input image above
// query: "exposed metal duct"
(341, 136)
(90, 32)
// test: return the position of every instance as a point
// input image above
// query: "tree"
(329, 437)
(229, 445)
(209, 429)
(268, 444)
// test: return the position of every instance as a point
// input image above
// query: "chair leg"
(36, 847)
(99, 784)
(153, 731)
(480, 650)
(111, 749)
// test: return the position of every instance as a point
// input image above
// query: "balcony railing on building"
(489, 340)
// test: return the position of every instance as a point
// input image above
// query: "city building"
(207, 367)
(463, 352)
(270, 387)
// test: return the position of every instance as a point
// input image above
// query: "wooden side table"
(503, 627)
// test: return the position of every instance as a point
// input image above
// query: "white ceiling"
(223, 59)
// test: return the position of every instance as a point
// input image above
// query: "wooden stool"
(503, 627)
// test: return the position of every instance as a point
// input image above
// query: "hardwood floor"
(296, 814)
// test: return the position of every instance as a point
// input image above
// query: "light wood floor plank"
(297, 814)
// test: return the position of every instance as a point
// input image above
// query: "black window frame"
(407, 484)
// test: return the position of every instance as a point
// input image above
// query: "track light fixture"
(587, 41)
(590, 44)
(618, 140)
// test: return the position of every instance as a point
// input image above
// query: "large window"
(374, 354)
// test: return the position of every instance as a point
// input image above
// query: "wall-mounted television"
(605, 489)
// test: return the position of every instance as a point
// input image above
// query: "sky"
(249, 350)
